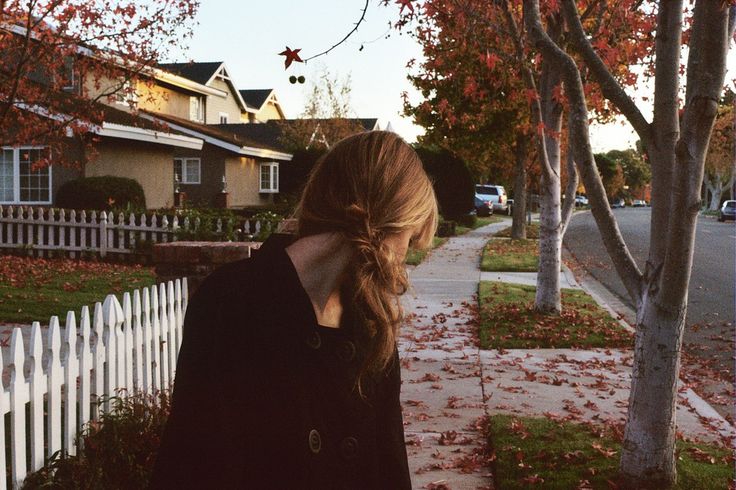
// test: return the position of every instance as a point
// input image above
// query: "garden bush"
(446, 228)
(269, 222)
(117, 451)
(207, 229)
(453, 184)
(293, 177)
(467, 220)
(102, 194)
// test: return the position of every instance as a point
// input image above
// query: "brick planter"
(196, 260)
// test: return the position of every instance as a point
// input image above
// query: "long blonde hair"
(368, 186)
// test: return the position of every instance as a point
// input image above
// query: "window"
(126, 94)
(269, 181)
(196, 109)
(187, 170)
(70, 76)
(486, 189)
(224, 117)
(20, 182)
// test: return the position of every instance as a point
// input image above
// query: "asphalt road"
(711, 308)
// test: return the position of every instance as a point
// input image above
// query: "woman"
(288, 374)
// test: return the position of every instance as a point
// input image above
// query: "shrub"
(269, 221)
(453, 184)
(102, 194)
(293, 177)
(118, 451)
(206, 231)
(446, 228)
(467, 220)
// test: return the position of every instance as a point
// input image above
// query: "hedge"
(102, 194)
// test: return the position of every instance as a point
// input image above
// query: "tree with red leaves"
(478, 70)
(675, 142)
(468, 106)
(62, 58)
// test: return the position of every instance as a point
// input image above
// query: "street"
(711, 312)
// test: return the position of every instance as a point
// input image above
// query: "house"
(231, 105)
(157, 132)
(262, 104)
(232, 169)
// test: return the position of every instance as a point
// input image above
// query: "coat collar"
(299, 310)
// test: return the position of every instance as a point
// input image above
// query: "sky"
(248, 35)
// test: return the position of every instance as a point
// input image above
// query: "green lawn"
(507, 320)
(415, 257)
(532, 232)
(542, 453)
(461, 230)
(34, 289)
(504, 255)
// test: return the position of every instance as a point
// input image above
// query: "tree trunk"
(715, 195)
(547, 298)
(518, 224)
(647, 457)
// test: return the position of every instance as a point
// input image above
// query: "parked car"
(483, 208)
(639, 203)
(728, 211)
(581, 200)
(494, 193)
(618, 203)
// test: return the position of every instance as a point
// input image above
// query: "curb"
(603, 296)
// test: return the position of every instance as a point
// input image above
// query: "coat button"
(315, 441)
(349, 448)
(346, 351)
(313, 340)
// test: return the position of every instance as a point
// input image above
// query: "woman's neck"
(320, 262)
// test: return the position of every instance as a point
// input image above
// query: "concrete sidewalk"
(449, 384)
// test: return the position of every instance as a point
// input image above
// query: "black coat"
(264, 396)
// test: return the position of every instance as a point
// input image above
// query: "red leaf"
(291, 56)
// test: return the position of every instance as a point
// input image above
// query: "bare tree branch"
(352, 31)
(611, 89)
(583, 153)
(535, 105)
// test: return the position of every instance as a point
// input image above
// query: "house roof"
(225, 136)
(267, 134)
(203, 73)
(115, 123)
(200, 72)
(255, 98)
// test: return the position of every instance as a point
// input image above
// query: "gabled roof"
(255, 98)
(221, 135)
(201, 72)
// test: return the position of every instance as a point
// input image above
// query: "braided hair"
(369, 186)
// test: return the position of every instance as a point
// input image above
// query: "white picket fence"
(132, 347)
(43, 230)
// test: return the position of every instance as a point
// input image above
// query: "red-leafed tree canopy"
(475, 98)
(63, 58)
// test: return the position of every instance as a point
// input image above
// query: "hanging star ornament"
(291, 56)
